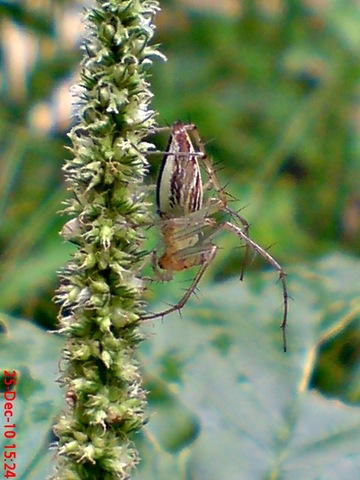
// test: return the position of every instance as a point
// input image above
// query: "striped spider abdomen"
(179, 188)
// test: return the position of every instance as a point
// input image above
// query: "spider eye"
(179, 188)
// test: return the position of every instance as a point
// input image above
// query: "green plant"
(100, 292)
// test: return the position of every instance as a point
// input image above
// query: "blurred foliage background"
(273, 86)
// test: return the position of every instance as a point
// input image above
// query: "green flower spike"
(100, 292)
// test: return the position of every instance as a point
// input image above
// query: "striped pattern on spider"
(187, 223)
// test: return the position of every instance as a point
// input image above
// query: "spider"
(188, 223)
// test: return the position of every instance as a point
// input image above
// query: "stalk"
(100, 293)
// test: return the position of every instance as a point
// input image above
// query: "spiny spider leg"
(180, 304)
(282, 276)
(219, 189)
(196, 252)
(246, 231)
(208, 258)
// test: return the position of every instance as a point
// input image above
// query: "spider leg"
(180, 304)
(159, 275)
(215, 182)
(183, 154)
(282, 276)
(246, 226)
(213, 178)
(213, 205)
(162, 129)
(143, 264)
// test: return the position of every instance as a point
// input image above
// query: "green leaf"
(248, 405)
(225, 401)
(34, 354)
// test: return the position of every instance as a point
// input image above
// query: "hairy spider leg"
(189, 259)
(210, 171)
(282, 276)
(210, 255)
(191, 256)
(198, 252)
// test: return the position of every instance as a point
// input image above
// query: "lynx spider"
(187, 225)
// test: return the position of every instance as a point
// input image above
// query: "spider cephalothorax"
(188, 223)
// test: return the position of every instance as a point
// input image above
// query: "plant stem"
(100, 293)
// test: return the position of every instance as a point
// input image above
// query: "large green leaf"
(228, 403)
(34, 354)
(225, 401)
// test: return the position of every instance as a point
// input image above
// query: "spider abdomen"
(179, 189)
